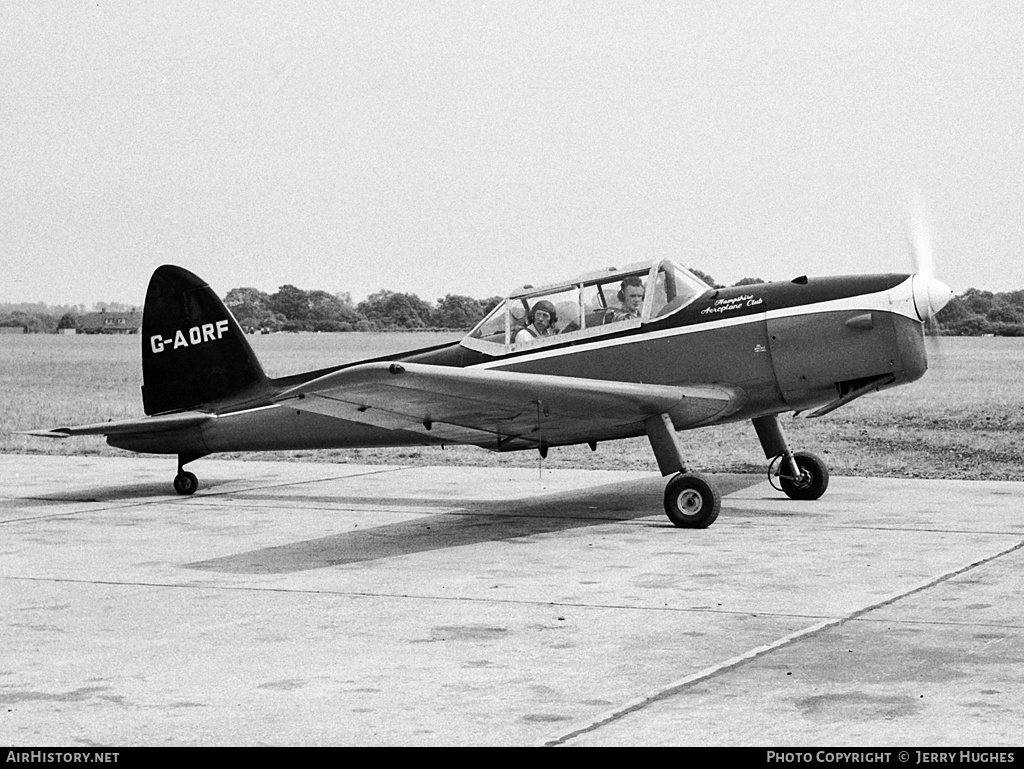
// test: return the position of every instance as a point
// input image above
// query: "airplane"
(645, 349)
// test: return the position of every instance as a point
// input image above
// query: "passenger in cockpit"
(543, 318)
(631, 301)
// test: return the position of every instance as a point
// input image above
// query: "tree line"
(972, 313)
(39, 317)
(294, 309)
(979, 313)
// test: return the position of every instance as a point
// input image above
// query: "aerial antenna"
(542, 447)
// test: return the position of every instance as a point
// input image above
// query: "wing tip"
(55, 432)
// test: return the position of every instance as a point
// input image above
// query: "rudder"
(194, 353)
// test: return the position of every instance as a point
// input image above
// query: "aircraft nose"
(930, 296)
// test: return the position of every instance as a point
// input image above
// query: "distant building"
(12, 329)
(110, 322)
(67, 331)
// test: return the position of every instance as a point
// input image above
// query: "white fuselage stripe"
(898, 299)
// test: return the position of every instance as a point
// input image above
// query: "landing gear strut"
(186, 483)
(799, 476)
(692, 500)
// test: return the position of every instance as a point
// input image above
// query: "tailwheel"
(812, 481)
(186, 483)
(692, 501)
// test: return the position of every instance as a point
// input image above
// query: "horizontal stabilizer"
(147, 425)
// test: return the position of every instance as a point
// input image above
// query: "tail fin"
(193, 351)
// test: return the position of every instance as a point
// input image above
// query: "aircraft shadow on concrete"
(135, 492)
(472, 523)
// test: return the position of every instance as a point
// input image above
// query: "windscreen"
(492, 327)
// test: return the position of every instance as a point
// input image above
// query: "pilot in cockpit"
(543, 318)
(631, 301)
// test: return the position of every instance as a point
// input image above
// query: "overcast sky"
(456, 147)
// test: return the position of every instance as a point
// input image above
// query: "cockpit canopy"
(590, 305)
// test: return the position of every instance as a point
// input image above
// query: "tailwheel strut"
(186, 483)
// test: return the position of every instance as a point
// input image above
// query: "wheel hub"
(803, 481)
(776, 472)
(690, 502)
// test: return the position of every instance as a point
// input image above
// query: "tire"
(185, 483)
(692, 501)
(815, 477)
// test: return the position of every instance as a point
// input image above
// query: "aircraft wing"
(154, 424)
(502, 410)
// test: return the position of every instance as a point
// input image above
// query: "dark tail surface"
(193, 351)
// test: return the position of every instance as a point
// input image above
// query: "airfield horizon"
(961, 421)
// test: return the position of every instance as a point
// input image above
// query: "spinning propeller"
(930, 294)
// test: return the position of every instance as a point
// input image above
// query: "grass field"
(963, 420)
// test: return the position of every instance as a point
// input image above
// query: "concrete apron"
(323, 604)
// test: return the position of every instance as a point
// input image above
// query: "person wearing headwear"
(631, 301)
(543, 318)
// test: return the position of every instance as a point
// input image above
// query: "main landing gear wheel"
(692, 501)
(185, 483)
(813, 480)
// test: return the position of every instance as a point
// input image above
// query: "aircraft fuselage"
(784, 346)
